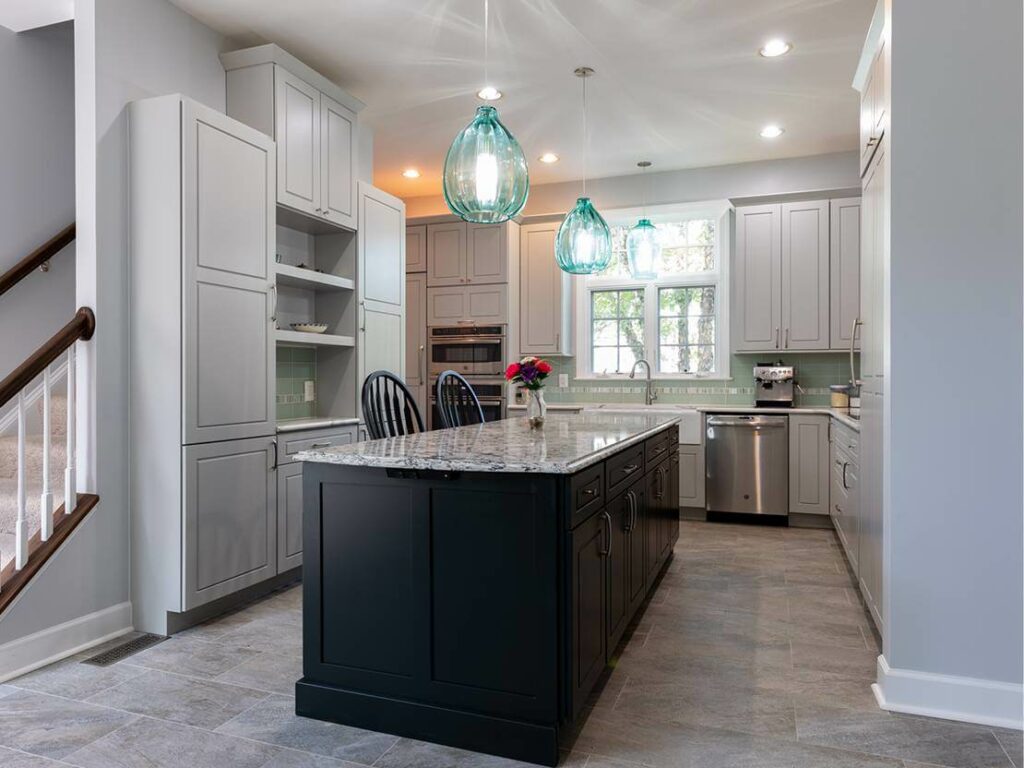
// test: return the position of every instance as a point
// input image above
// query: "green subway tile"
(303, 371)
(303, 355)
(284, 354)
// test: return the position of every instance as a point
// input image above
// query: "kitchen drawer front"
(314, 439)
(846, 439)
(586, 494)
(660, 446)
(623, 468)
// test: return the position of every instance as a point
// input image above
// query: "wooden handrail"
(81, 327)
(37, 258)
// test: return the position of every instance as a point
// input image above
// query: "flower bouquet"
(529, 373)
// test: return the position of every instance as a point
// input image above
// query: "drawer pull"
(630, 468)
(321, 445)
(589, 492)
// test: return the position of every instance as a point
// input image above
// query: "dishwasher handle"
(747, 421)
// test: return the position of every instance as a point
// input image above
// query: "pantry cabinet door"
(299, 127)
(844, 255)
(757, 292)
(805, 275)
(337, 163)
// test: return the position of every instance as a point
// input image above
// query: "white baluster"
(70, 494)
(20, 529)
(46, 500)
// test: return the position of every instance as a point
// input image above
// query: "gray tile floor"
(753, 652)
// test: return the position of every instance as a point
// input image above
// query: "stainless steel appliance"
(472, 350)
(773, 385)
(747, 464)
(490, 391)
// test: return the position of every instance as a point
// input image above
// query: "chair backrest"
(457, 403)
(388, 407)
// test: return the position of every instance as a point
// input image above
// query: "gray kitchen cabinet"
(416, 248)
(871, 506)
(757, 285)
(229, 510)
(808, 464)
(805, 275)
(486, 253)
(314, 123)
(446, 254)
(415, 329)
(545, 294)
(691, 476)
(845, 494)
(872, 274)
(380, 283)
(873, 108)
(844, 255)
(289, 516)
(477, 304)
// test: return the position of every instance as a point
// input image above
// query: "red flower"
(544, 367)
(512, 371)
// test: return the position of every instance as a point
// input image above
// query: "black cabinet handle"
(630, 468)
(607, 534)
(274, 443)
(589, 492)
(632, 511)
(845, 465)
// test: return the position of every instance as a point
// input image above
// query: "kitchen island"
(469, 586)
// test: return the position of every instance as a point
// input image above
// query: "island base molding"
(529, 742)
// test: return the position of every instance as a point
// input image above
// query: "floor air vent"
(123, 650)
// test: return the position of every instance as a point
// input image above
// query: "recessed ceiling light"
(775, 47)
(411, 173)
(490, 93)
(548, 157)
(771, 132)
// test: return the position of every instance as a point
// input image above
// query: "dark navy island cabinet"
(477, 609)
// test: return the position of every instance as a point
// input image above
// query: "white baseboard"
(25, 654)
(950, 697)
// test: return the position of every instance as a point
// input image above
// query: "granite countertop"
(841, 415)
(316, 422)
(566, 444)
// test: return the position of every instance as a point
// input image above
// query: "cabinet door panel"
(416, 248)
(338, 159)
(805, 275)
(808, 464)
(544, 294)
(289, 516)
(477, 304)
(446, 254)
(618, 569)
(588, 655)
(486, 253)
(381, 246)
(230, 525)
(844, 255)
(415, 329)
(637, 546)
(757, 286)
(298, 143)
(691, 476)
(381, 342)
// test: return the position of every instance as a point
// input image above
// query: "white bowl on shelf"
(309, 327)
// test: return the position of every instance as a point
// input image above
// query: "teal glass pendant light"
(583, 245)
(643, 246)
(486, 179)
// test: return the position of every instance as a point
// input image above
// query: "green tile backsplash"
(295, 366)
(814, 373)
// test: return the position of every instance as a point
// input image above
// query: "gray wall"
(955, 595)
(37, 185)
(124, 50)
(815, 173)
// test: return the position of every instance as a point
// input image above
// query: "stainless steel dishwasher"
(748, 464)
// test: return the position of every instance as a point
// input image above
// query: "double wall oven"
(478, 352)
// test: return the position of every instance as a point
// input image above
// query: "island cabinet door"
(433, 590)
(620, 515)
(637, 494)
(672, 500)
(589, 546)
(657, 533)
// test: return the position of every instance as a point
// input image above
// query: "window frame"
(721, 212)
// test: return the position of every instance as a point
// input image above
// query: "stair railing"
(39, 258)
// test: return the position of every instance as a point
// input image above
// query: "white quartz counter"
(566, 444)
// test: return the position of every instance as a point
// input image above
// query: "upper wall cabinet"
(873, 110)
(459, 253)
(545, 294)
(782, 294)
(844, 254)
(416, 248)
(314, 124)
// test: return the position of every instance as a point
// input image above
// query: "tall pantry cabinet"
(201, 331)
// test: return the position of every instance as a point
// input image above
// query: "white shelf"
(311, 280)
(314, 339)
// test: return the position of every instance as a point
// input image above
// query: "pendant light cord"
(584, 79)
(487, 61)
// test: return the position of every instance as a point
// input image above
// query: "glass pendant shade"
(584, 242)
(486, 179)
(643, 250)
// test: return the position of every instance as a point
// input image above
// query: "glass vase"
(536, 408)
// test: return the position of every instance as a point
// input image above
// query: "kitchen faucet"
(651, 395)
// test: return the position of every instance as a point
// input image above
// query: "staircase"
(37, 439)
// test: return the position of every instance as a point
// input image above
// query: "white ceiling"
(678, 82)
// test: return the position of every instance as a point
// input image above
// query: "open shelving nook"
(315, 283)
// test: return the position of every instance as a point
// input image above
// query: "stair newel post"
(70, 492)
(20, 529)
(46, 500)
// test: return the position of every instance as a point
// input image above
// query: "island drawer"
(314, 439)
(623, 467)
(586, 493)
(660, 446)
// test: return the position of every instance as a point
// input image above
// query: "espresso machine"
(773, 385)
